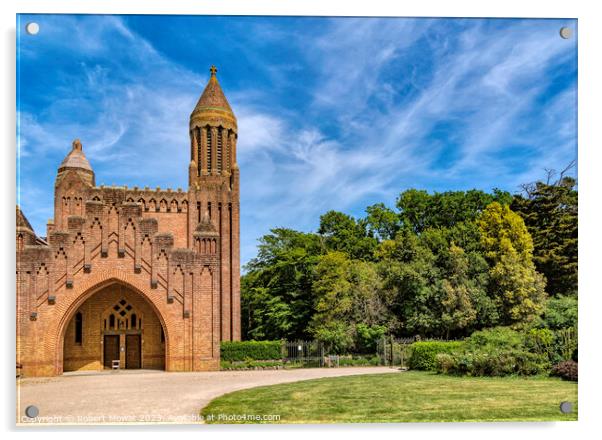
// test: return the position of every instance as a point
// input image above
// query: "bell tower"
(213, 133)
(214, 177)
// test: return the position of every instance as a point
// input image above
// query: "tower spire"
(213, 133)
(76, 161)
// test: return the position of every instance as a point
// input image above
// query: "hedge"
(424, 354)
(502, 351)
(251, 365)
(251, 350)
(493, 362)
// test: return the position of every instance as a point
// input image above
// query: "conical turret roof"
(213, 97)
(76, 158)
(22, 221)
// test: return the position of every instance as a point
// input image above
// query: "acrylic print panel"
(212, 203)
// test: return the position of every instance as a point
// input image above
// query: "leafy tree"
(367, 337)
(459, 293)
(343, 233)
(336, 335)
(333, 301)
(560, 312)
(276, 293)
(515, 286)
(445, 265)
(346, 293)
(550, 214)
(409, 274)
(419, 210)
(382, 221)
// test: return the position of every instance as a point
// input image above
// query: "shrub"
(367, 337)
(540, 340)
(501, 338)
(424, 354)
(485, 362)
(358, 361)
(336, 337)
(500, 351)
(446, 363)
(249, 364)
(565, 344)
(567, 370)
(250, 350)
(560, 312)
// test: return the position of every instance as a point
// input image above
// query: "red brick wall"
(143, 243)
(119, 243)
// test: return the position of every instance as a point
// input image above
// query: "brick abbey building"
(146, 277)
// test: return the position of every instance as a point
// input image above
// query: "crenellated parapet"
(151, 200)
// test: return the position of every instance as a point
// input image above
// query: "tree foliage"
(515, 286)
(341, 232)
(420, 210)
(439, 265)
(277, 300)
(550, 214)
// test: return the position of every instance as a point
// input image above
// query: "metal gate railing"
(303, 353)
(394, 351)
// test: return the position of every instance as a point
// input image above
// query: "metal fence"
(394, 352)
(391, 351)
(304, 353)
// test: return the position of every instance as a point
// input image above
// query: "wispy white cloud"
(391, 104)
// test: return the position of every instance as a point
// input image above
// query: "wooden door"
(111, 350)
(133, 351)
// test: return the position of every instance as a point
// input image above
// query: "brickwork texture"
(146, 277)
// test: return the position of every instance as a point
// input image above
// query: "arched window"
(162, 335)
(79, 328)
(122, 316)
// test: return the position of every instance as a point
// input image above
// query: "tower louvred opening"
(213, 129)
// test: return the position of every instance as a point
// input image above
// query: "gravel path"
(139, 396)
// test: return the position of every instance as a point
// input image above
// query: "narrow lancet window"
(209, 149)
(79, 330)
(219, 149)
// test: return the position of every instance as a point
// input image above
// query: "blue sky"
(333, 113)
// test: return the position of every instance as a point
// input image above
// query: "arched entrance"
(115, 324)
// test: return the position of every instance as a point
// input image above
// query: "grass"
(404, 397)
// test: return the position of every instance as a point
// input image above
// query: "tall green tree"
(346, 294)
(420, 210)
(514, 285)
(276, 293)
(550, 214)
(382, 222)
(460, 293)
(410, 274)
(343, 233)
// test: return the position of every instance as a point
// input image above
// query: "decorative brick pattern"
(172, 256)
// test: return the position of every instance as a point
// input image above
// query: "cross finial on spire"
(213, 70)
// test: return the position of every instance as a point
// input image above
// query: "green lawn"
(404, 397)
